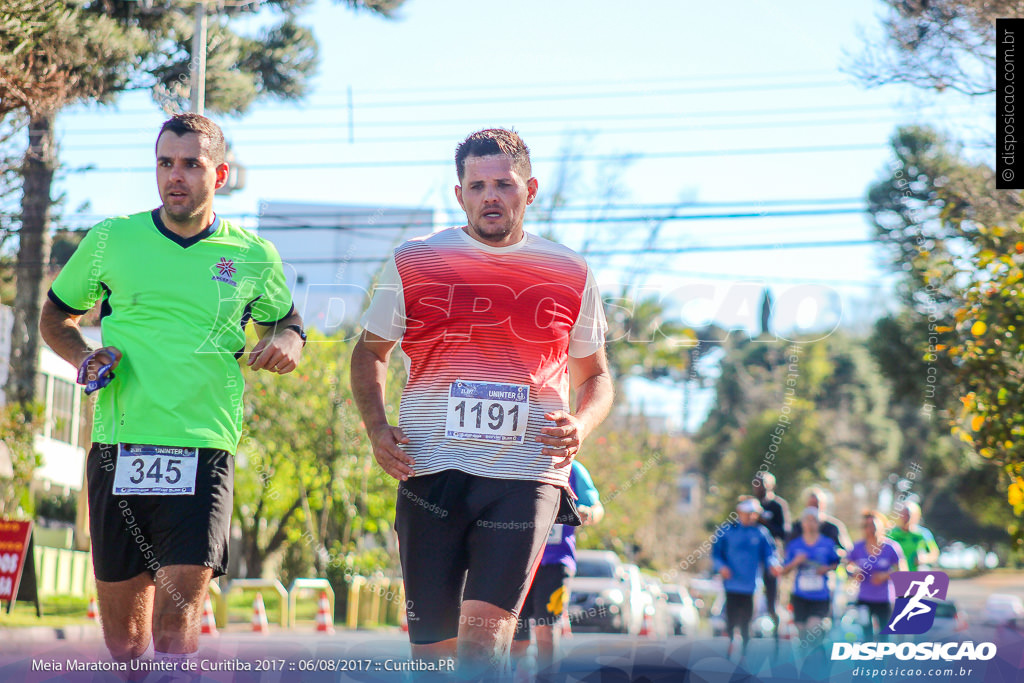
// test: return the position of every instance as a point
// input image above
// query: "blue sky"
(733, 107)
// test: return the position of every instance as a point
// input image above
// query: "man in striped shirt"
(495, 325)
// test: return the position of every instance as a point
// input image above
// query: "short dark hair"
(492, 141)
(211, 138)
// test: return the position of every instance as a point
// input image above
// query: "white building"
(60, 443)
(333, 252)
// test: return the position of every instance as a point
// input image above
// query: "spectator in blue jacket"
(740, 554)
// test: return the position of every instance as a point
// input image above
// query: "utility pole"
(197, 92)
(198, 63)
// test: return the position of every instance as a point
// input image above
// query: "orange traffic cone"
(259, 616)
(94, 612)
(324, 618)
(209, 626)
(646, 625)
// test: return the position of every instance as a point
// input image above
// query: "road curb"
(50, 633)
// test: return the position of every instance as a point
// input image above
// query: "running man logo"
(916, 593)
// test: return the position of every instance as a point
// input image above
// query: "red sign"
(14, 538)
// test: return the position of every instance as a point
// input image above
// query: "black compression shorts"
(804, 609)
(132, 534)
(546, 600)
(463, 537)
(739, 610)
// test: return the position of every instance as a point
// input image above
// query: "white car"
(1002, 608)
(685, 618)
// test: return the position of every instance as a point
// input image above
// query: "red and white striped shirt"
(467, 313)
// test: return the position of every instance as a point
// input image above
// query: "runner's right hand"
(388, 452)
(100, 357)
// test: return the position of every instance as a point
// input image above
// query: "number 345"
(171, 473)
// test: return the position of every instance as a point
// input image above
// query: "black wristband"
(299, 331)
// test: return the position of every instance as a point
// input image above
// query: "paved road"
(374, 656)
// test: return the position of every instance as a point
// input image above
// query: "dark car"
(598, 599)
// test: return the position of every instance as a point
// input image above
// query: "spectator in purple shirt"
(871, 563)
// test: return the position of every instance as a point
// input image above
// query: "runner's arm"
(794, 561)
(280, 347)
(930, 554)
(591, 514)
(369, 367)
(845, 542)
(62, 333)
(594, 392)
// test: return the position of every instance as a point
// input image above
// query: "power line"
(591, 220)
(562, 96)
(680, 154)
(731, 247)
(674, 206)
(561, 221)
(587, 84)
(747, 277)
(669, 92)
(648, 130)
(647, 116)
(643, 252)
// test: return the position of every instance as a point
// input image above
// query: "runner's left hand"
(585, 515)
(279, 352)
(564, 439)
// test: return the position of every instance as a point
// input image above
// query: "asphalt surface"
(39, 655)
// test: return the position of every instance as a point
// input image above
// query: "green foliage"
(18, 426)
(954, 350)
(808, 412)
(986, 347)
(796, 460)
(53, 53)
(636, 472)
(305, 475)
(240, 69)
(929, 212)
(58, 507)
(643, 343)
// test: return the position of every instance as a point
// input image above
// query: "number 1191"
(495, 411)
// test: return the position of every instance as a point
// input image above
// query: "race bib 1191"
(487, 411)
(155, 470)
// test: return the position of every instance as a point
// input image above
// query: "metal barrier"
(354, 589)
(374, 601)
(220, 604)
(258, 584)
(64, 572)
(308, 584)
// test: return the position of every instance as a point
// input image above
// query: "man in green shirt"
(177, 287)
(918, 546)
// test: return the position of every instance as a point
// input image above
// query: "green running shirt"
(176, 308)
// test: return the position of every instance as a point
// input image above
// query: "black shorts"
(804, 609)
(739, 610)
(137, 533)
(546, 600)
(463, 537)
